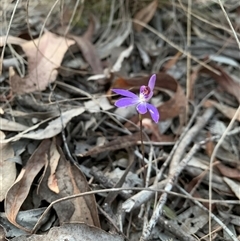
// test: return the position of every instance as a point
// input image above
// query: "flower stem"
(142, 148)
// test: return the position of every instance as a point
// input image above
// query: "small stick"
(224, 227)
(176, 168)
(211, 165)
(142, 149)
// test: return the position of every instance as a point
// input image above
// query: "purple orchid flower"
(146, 93)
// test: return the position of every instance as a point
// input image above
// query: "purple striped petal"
(142, 108)
(124, 102)
(151, 82)
(126, 93)
(145, 93)
(153, 112)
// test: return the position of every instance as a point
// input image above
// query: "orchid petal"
(153, 112)
(126, 93)
(142, 108)
(151, 82)
(124, 102)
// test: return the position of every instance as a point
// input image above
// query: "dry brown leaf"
(228, 171)
(210, 147)
(224, 80)
(145, 15)
(174, 107)
(7, 168)
(91, 28)
(44, 56)
(53, 163)
(228, 111)
(88, 49)
(90, 54)
(77, 231)
(70, 181)
(18, 192)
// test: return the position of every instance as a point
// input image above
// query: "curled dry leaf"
(44, 56)
(72, 232)
(70, 181)
(18, 192)
(174, 107)
(7, 168)
(145, 15)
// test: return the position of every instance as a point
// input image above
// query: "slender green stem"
(142, 148)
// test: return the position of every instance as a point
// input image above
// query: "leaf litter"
(44, 57)
(65, 149)
(8, 168)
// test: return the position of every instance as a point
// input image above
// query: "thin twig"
(224, 227)
(186, 53)
(63, 129)
(142, 197)
(7, 34)
(189, 85)
(225, 132)
(205, 20)
(211, 164)
(142, 149)
(188, 138)
(171, 180)
(230, 24)
(159, 190)
(176, 168)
